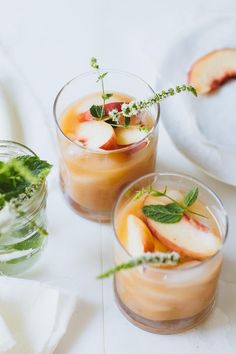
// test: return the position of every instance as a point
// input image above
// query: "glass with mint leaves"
(23, 194)
(169, 232)
(107, 128)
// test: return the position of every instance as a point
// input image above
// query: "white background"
(49, 42)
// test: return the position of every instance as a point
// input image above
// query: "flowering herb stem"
(135, 107)
(171, 258)
(132, 108)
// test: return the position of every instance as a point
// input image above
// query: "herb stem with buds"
(171, 258)
(132, 108)
(135, 107)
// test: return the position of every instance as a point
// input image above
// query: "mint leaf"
(36, 167)
(107, 95)
(93, 63)
(166, 214)
(127, 121)
(19, 174)
(101, 76)
(191, 197)
(174, 208)
(97, 111)
(32, 242)
(2, 202)
(143, 129)
(156, 193)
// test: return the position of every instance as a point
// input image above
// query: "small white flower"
(129, 109)
(113, 114)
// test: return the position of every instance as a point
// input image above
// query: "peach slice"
(140, 239)
(108, 107)
(112, 105)
(127, 136)
(188, 237)
(188, 264)
(95, 134)
(212, 70)
(158, 246)
(85, 116)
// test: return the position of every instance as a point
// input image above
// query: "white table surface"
(50, 41)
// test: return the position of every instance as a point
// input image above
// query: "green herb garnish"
(171, 258)
(19, 175)
(166, 214)
(190, 197)
(129, 109)
(133, 108)
(20, 178)
(99, 112)
(170, 213)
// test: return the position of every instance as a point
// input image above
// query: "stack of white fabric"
(33, 316)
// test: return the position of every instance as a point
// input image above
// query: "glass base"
(101, 216)
(163, 327)
(19, 265)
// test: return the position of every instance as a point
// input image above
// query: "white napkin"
(33, 316)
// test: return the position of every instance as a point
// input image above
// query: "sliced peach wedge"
(188, 237)
(95, 135)
(140, 238)
(130, 135)
(212, 70)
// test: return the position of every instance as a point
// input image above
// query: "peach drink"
(168, 298)
(97, 159)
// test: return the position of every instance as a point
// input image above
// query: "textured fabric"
(34, 316)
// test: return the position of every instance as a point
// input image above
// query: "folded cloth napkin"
(33, 316)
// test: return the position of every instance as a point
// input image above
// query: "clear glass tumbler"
(160, 300)
(21, 241)
(91, 180)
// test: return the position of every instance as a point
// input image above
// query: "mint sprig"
(105, 95)
(166, 214)
(171, 258)
(21, 175)
(190, 197)
(132, 108)
(20, 178)
(170, 213)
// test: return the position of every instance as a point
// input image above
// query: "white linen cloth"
(33, 316)
(21, 113)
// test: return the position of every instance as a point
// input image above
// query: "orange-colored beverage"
(168, 298)
(98, 159)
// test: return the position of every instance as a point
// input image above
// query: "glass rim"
(16, 144)
(112, 71)
(42, 189)
(190, 178)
